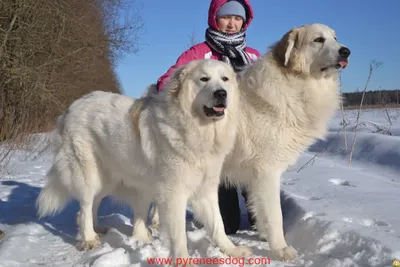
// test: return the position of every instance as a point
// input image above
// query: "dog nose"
(344, 52)
(220, 94)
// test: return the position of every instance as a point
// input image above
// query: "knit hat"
(232, 8)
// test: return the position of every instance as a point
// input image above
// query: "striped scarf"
(231, 46)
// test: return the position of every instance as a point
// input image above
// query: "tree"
(192, 39)
(54, 51)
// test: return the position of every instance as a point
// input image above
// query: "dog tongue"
(343, 63)
(218, 109)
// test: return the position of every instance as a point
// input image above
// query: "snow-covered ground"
(335, 215)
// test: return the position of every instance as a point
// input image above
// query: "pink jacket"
(202, 50)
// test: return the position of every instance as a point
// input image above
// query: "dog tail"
(53, 197)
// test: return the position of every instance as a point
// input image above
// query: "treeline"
(372, 98)
(54, 51)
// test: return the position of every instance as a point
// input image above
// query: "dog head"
(312, 50)
(206, 87)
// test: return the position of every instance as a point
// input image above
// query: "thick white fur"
(160, 147)
(285, 104)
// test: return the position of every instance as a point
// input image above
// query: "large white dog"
(287, 98)
(168, 148)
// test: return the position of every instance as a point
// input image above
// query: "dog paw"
(238, 252)
(155, 224)
(144, 235)
(89, 244)
(101, 229)
(285, 254)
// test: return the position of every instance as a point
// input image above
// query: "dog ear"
(292, 39)
(175, 81)
(291, 42)
(286, 45)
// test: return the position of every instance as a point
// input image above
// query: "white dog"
(168, 147)
(287, 98)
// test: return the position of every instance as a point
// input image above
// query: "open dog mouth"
(215, 111)
(342, 64)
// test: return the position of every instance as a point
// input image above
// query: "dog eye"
(225, 79)
(319, 40)
(204, 79)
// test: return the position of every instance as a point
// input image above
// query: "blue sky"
(369, 28)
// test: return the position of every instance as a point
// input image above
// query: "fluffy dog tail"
(53, 197)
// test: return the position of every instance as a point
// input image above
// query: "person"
(225, 40)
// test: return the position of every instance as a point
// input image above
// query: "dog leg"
(141, 208)
(155, 219)
(96, 203)
(140, 204)
(206, 209)
(265, 193)
(172, 212)
(90, 239)
(250, 215)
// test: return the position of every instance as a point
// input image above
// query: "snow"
(334, 214)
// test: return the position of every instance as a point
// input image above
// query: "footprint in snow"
(306, 198)
(341, 182)
(380, 223)
(288, 183)
(312, 214)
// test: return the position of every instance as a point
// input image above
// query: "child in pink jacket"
(225, 37)
(225, 41)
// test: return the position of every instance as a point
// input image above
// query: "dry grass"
(372, 67)
(344, 121)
